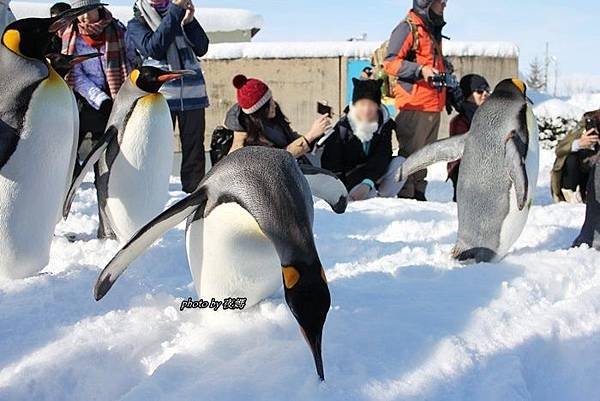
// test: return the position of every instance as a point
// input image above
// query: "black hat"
(471, 83)
(367, 89)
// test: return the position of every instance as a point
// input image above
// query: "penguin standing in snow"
(38, 143)
(498, 172)
(249, 224)
(135, 155)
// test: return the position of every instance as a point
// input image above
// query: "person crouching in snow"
(476, 91)
(359, 151)
(572, 166)
(257, 120)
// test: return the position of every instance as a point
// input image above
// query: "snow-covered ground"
(407, 322)
(571, 107)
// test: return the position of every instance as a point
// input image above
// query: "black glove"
(106, 107)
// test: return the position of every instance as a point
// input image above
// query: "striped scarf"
(111, 34)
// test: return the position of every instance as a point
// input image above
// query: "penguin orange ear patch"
(291, 276)
(519, 84)
(12, 40)
(135, 74)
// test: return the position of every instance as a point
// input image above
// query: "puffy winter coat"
(405, 62)
(345, 155)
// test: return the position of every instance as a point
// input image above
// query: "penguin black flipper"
(87, 166)
(145, 237)
(445, 150)
(514, 161)
(9, 138)
(326, 186)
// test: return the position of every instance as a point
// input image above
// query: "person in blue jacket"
(166, 35)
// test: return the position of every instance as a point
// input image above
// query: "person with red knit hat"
(257, 120)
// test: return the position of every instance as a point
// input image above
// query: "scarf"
(362, 130)
(108, 33)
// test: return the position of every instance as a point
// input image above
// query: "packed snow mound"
(573, 107)
(212, 19)
(356, 49)
(406, 323)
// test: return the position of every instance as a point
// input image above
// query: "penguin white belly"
(32, 183)
(515, 221)
(138, 184)
(229, 256)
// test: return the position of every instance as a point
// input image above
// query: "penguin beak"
(80, 58)
(65, 19)
(313, 338)
(171, 75)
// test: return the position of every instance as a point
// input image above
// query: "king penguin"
(38, 143)
(134, 156)
(498, 172)
(249, 225)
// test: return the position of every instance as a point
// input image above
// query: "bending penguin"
(590, 232)
(249, 224)
(134, 156)
(39, 127)
(498, 172)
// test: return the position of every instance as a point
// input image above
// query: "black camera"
(443, 80)
(591, 123)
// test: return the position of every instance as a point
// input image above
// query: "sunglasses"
(482, 91)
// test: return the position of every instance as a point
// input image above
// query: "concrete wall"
(230, 37)
(299, 83)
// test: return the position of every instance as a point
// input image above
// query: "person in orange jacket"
(414, 57)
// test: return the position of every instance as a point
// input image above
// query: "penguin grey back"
(274, 191)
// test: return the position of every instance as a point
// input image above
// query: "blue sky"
(571, 27)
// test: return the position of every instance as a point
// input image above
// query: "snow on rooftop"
(357, 49)
(212, 19)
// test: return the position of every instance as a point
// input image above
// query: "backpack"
(380, 54)
(220, 144)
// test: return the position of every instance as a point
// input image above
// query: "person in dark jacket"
(359, 151)
(257, 120)
(476, 90)
(167, 35)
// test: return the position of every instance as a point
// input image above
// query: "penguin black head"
(62, 63)
(30, 37)
(307, 295)
(150, 79)
(512, 87)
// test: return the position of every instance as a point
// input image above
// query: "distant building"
(223, 25)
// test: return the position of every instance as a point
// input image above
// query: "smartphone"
(590, 123)
(324, 108)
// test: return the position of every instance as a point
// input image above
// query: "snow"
(573, 107)
(212, 19)
(356, 49)
(407, 322)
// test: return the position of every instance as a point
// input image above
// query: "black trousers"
(192, 124)
(576, 173)
(94, 122)
(453, 176)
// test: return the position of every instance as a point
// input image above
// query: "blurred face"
(438, 7)
(479, 97)
(90, 17)
(367, 111)
(272, 109)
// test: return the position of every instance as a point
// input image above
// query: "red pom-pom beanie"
(252, 94)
